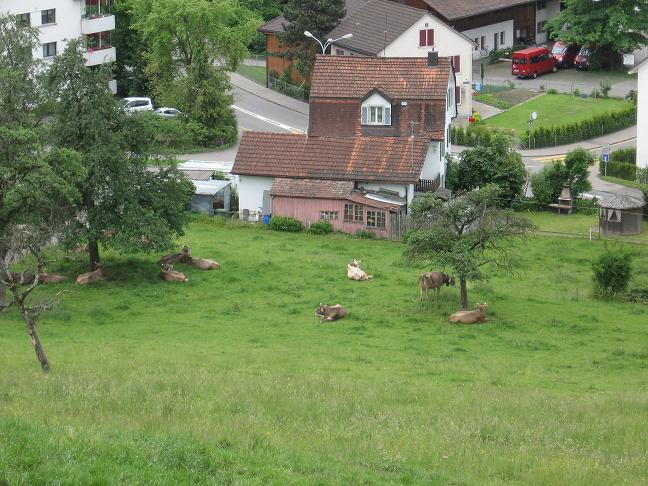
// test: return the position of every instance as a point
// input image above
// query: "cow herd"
(427, 281)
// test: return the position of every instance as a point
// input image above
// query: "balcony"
(99, 23)
(96, 56)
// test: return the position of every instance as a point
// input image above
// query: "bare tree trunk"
(30, 323)
(2, 294)
(93, 252)
(464, 293)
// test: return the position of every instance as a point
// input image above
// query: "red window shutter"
(422, 38)
(430, 37)
(458, 94)
(457, 63)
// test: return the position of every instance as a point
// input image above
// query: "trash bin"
(266, 219)
(477, 86)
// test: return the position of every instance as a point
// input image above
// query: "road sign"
(606, 158)
(606, 148)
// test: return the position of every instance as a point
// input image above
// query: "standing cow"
(434, 280)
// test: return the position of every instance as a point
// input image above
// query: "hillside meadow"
(231, 379)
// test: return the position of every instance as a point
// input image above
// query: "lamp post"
(532, 117)
(328, 41)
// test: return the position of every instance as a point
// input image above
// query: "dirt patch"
(516, 96)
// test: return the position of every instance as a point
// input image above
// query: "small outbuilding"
(211, 197)
(621, 215)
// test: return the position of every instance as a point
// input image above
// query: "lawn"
(231, 379)
(554, 109)
(255, 73)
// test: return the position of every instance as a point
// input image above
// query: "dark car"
(584, 57)
(564, 54)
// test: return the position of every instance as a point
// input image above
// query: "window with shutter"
(458, 94)
(430, 37)
(456, 62)
(365, 115)
(422, 38)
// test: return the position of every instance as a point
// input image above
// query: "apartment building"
(59, 21)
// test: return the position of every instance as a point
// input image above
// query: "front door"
(495, 44)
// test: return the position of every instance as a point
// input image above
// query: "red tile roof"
(398, 77)
(387, 159)
(311, 188)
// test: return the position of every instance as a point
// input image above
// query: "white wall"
(376, 186)
(250, 190)
(642, 117)
(489, 31)
(552, 9)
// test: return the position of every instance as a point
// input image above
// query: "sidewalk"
(268, 94)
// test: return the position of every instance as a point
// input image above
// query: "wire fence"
(287, 88)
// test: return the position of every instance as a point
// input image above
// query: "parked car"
(133, 104)
(584, 57)
(533, 61)
(168, 112)
(564, 54)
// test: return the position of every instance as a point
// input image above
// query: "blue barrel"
(266, 219)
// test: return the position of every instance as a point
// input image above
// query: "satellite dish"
(534, 115)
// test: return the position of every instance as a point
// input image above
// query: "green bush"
(368, 235)
(642, 175)
(584, 130)
(173, 134)
(285, 223)
(320, 227)
(621, 170)
(491, 100)
(628, 155)
(472, 136)
(612, 273)
(586, 206)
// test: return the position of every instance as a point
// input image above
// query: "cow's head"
(450, 281)
(321, 310)
(481, 307)
(167, 267)
(356, 263)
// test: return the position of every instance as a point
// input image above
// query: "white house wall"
(250, 189)
(545, 14)
(488, 32)
(642, 117)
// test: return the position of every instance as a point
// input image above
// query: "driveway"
(564, 81)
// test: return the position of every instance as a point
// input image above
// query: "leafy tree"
(130, 73)
(465, 234)
(497, 162)
(123, 205)
(192, 44)
(319, 17)
(615, 26)
(268, 9)
(573, 173)
(612, 273)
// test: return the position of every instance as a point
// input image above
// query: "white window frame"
(55, 50)
(376, 111)
(43, 12)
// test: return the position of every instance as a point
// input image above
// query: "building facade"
(642, 113)
(58, 21)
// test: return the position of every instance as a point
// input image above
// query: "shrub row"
(174, 134)
(285, 223)
(320, 227)
(491, 100)
(628, 156)
(472, 135)
(622, 170)
(578, 131)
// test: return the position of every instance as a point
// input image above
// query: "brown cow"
(355, 273)
(50, 278)
(91, 277)
(470, 317)
(168, 274)
(434, 280)
(203, 263)
(330, 313)
(183, 257)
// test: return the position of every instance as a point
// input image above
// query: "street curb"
(598, 147)
(263, 97)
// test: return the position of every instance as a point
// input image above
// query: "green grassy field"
(255, 73)
(231, 379)
(552, 110)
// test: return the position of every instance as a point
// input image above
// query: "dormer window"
(376, 110)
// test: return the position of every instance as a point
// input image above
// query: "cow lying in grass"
(434, 280)
(470, 317)
(50, 278)
(330, 313)
(203, 263)
(168, 274)
(182, 257)
(91, 277)
(355, 273)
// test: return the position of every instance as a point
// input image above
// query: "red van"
(565, 54)
(533, 61)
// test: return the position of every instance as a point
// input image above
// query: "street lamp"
(328, 41)
(532, 117)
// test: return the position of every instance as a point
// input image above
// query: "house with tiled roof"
(382, 28)
(378, 134)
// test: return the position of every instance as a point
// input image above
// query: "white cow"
(355, 273)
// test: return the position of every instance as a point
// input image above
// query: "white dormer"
(376, 110)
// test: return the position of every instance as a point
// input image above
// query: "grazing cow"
(168, 274)
(330, 313)
(91, 277)
(355, 273)
(470, 317)
(183, 257)
(50, 278)
(434, 280)
(203, 263)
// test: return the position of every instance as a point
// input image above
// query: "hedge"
(285, 223)
(579, 131)
(472, 135)
(320, 227)
(621, 164)
(628, 156)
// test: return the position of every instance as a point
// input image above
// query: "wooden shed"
(621, 215)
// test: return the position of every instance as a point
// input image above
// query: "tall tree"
(319, 17)
(615, 26)
(192, 44)
(124, 205)
(130, 65)
(465, 234)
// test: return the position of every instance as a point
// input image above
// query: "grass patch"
(230, 378)
(551, 109)
(621, 182)
(255, 73)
